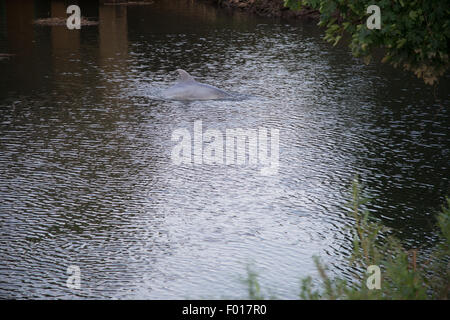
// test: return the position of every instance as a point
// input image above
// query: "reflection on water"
(86, 172)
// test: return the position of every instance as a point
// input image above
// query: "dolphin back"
(188, 89)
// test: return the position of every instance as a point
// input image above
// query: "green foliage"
(404, 274)
(444, 223)
(415, 34)
(254, 291)
(438, 279)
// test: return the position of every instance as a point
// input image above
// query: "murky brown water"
(85, 152)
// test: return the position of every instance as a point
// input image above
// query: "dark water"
(87, 177)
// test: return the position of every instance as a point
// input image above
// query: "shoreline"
(268, 8)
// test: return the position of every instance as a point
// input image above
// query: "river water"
(87, 177)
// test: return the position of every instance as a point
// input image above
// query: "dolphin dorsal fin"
(183, 76)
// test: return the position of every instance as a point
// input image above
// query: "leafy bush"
(415, 34)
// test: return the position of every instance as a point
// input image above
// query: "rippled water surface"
(87, 177)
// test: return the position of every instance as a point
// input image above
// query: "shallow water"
(87, 177)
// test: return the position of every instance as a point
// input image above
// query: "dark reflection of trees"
(31, 44)
(187, 34)
(20, 42)
(409, 148)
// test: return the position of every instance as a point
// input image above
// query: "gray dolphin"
(187, 88)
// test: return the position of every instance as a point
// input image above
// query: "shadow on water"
(87, 177)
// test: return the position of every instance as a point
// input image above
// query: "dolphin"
(187, 88)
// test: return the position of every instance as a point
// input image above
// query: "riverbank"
(268, 8)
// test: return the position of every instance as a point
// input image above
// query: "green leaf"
(337, 40)
(401, 43)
